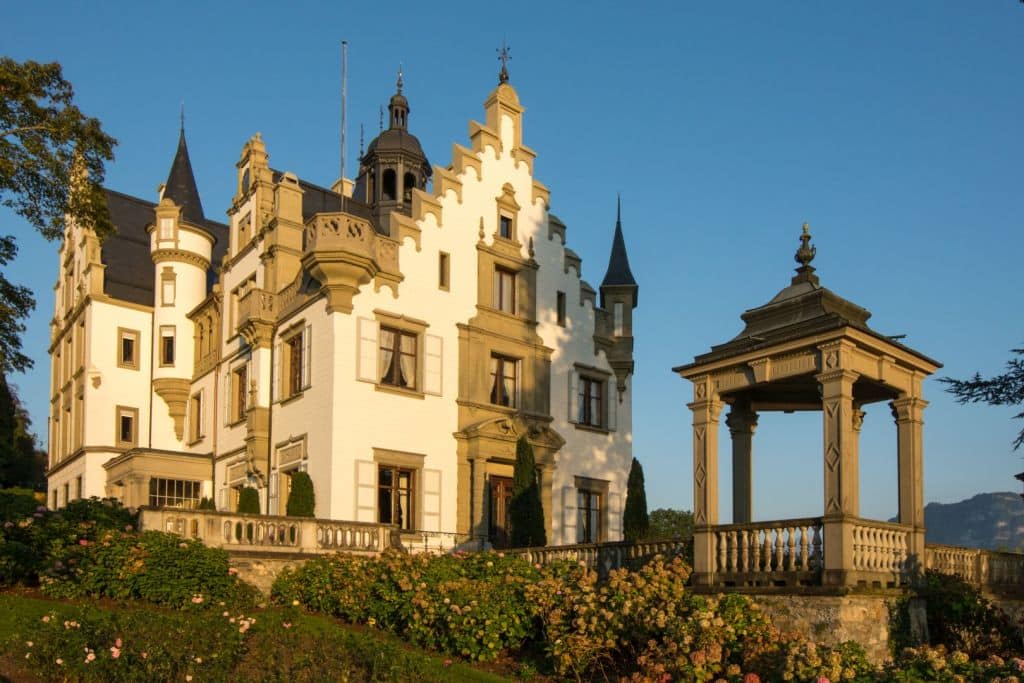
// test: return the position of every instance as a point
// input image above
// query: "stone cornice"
(162, 255)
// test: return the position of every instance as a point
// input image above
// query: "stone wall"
(830, 620)
(260, 569)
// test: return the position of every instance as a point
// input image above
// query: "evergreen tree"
(526, 512)
(635, 521)
(1006, 389)
(301, 499)
(248, 501)
(206, 504)
(22, 463)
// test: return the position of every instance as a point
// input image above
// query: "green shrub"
(16, 504)
(635, 522)
(301, 499)
(248, 501)
(206, 504)
(158, 567)
(525, 511)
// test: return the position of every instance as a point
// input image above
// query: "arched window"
(407, 185)
(390, 191)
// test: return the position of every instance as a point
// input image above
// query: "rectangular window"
(590, 403)
(195, 417)
(560, 308)
(239, 392)
(505, 227)
(588, 516)
(395, 496)
(78, 487)
(168, 289)
(127, 349)
(166, 345)
(618, 311)
(397, 360)
(54, 504)
(127, 421)
(504, 381)
(505, 290)
(443, 271)
(174, 493)
(166, 228)
(67, 493)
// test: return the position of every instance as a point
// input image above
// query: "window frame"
(500, 302)
(560, 317)
(187, 486)
(168, 332)
(395, 369)
(168, 282)
(196, 423)
(409, 524)
(497, 368)
(121, 412)
(444, 271)
(124, 333)
(293, 359)
(585, 400)
(239, 398)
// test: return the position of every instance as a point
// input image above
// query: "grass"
(309, 648)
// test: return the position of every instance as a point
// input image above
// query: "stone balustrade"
(272, 534)
(778, 553)
(880, 547)
(986, 569)
(603, 557)
(257, 305)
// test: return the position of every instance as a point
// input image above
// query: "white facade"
(358, 341)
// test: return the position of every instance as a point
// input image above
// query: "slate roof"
(181, 185)
(618, 272)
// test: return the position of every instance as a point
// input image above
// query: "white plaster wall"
(208, 385)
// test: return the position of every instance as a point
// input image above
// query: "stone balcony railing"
(985, 569)
(272, 534)
(779, 553)
(257, 315)
(603, 557)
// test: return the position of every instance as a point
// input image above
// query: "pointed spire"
(398, 107)
(400, 82)
(181, 183)
(618, 263)
(804, 255)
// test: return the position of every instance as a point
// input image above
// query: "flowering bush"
(154, 566)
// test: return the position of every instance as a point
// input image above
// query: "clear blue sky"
(893, 128)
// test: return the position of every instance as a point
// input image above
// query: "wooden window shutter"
(574, 390)
(614, 523)
(307, 358)
(369, 331)
(612, 401)
(431, 500)
(366, 491)
(568, 515)
(278, 374)
(432, 359)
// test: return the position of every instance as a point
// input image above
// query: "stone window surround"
(236, 415)
(444, 271)
(410, 461)
(507, 208)
(414, 326)
(164, 330)
(196, 423)
(600, 488)
(280, 470)
(123, 332)
(295, 332)
(604, 377)
(119, 412)
(168, 278)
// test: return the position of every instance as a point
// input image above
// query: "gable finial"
(504, 56)
(804, 255)
(401, 81)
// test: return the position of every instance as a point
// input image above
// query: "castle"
(392, 336)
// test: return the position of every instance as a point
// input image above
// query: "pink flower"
(823, 679)
(188, 677)
(447, 662)
(117, 643)
(232, 571)
(83, 542)
(46, 619)
(60, 662)
(89, 657)
(287, 624)
(144, 655)
(751, 678)
(115, 652)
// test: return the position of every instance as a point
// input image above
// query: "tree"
(52, 156)
(635, 521)
(1002, 390)
(527, 515)
(22, 463)
(248, 501)
(52, 160)
(301, 499)
(669, 523)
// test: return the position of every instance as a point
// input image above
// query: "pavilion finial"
(401, 80)
(503, 57)
(804, 255)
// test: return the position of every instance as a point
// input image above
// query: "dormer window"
(166, 228)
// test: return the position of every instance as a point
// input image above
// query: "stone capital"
(741, 420)
(908, 409)
(706, 411)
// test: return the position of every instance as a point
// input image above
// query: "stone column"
(742, 422)
(706, 408)
(858, 424)
(478, 513)
(841, 472)
(909, 415)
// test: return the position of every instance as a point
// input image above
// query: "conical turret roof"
(181, 185)
(618, 263)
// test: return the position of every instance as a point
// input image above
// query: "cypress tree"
(527, 515)
(635, 521)
(248, 501)
(301, 499)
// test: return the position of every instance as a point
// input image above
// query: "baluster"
(732, 551)
(804, 559)
(767, 549)
(744, 551)
(778, 548)
(755, 541)
(819, 551)
(790, 545)
(720, 539)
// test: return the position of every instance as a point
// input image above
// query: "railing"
(272, 533)
(983, 568)
(603, 557)
(344, 232)
(781, 553)
(257, 305)
(880, 547)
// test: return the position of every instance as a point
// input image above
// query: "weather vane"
(503, 57)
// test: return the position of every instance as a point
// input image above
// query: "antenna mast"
(344, 80)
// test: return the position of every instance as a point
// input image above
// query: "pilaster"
(706, 409)
(841, 471)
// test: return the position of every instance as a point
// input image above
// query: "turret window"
(390, 190)
(168, 286)
(617, 313)
(407, 186)
(166, 345)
